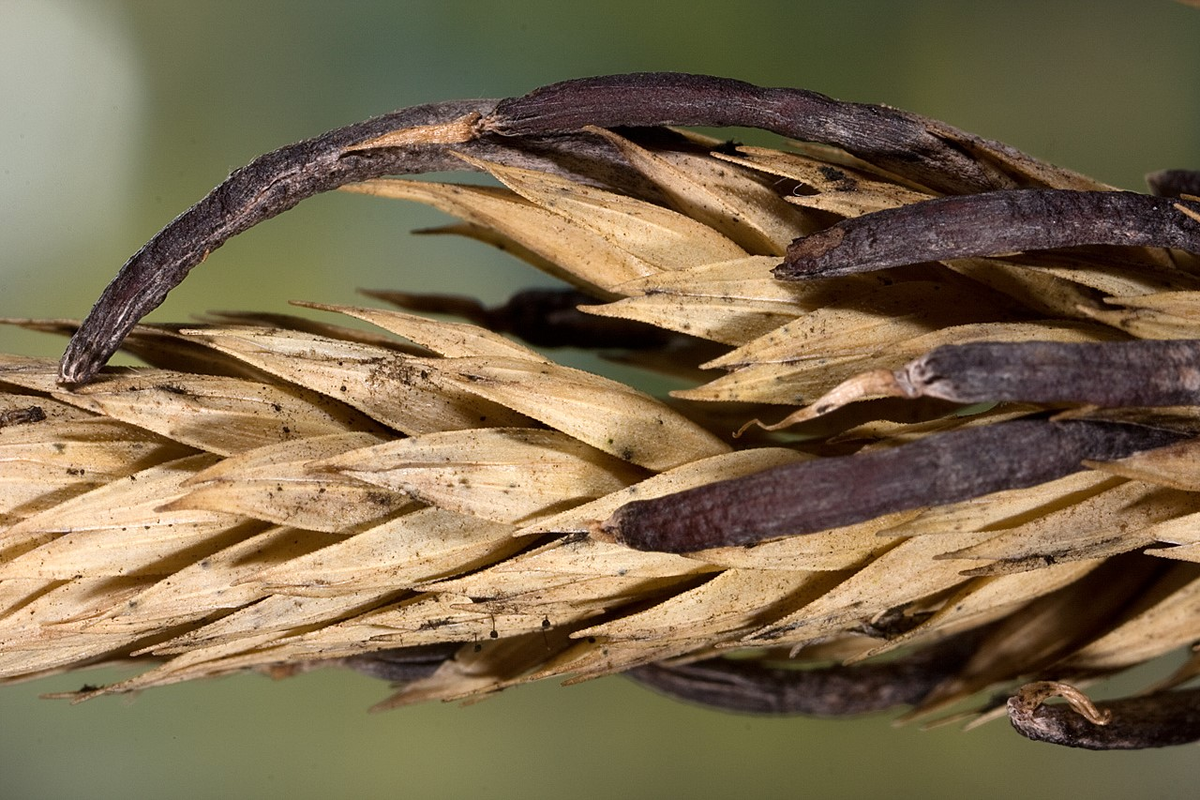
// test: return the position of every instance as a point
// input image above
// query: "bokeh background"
(115, 116)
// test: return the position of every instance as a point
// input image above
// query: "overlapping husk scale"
(275, 493)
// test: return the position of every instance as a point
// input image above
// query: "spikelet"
(448, 508)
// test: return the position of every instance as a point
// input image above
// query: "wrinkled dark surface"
(542, 129)
(905, 143)
(824, 493)
(1110, 374)
(836, 691)
(1162, 719)
(990, 224)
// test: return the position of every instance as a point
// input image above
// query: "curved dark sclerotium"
(1162, 719)
(264, 188)
(908, 144)
(991, 224)
(922, 149)
(835, 691)
(825, 493)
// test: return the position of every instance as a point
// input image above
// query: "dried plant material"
(1175, 465)
(500, 474)
(742, 278)
(845, 547)
(1180, 532)
(224, 580)
(663, 238)
(715, 319)
(275, 483)
(1165, 626)
(607, 415)
(983, 601)
(22, 416)
(472, 674)
(438, 504)
(408, 394)
(123, 526)
(411, 549)
(926, 151)
(1182, 304)
(733, 602)
(1111, 374)
(46, 464)
(451, 339)
(725, 199)
(902, 574)
(699, 472)
(1045, 295)
(923, 150)
(544, 318)
(840, 190)
(218, 415)
(581, 256)
(35, 644)
(1175, 182)
(1047, 628)
(1118, 519)
(861, 323)
(1150, 272)
(565, 581)
(1005, 509)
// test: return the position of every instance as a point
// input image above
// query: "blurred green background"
(115, 116)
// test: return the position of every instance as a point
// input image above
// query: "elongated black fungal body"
(991, 224)
(837, 691)
(825, 493)
(917, 147)
(1161, 719)
(540, 128)
(264, 188)
(1110, 374)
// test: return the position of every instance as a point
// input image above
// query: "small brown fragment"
(22, 416)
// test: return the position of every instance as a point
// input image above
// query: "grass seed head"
(443, 506)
